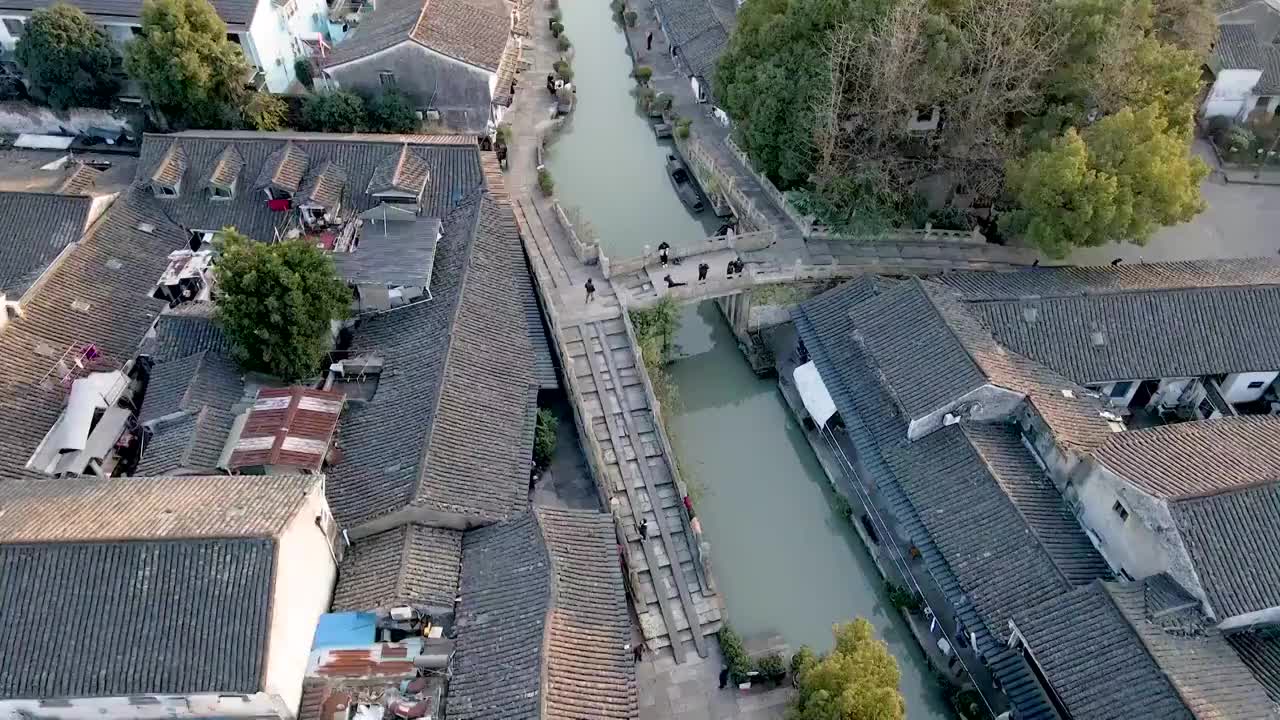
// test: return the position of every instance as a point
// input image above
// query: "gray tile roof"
(1191, 459)
(38, 226)
(1112, 650)
(1231, 538)
(1143, 334)
(98, 294)
(501, 623)
(1208, 675)
(409, 565)
(191, 442)
(548, 579)
(284, 168)
(206, 604)
(187, 384)
(448, 429)
(454, 170)
(1270, 80)
(589, 671)
(392, 253)
(473, 31)
(232, 12)
(996, 552)
(1072, 281)
(1237, 48)
(685, 20)
(324, 186)
(152, 508)
(402, 172)
(1094, 661)
(701, 52)
(186, 330)
(1259, 650)
(544, 368)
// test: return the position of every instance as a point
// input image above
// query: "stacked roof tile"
(411, 565)
(38, 227)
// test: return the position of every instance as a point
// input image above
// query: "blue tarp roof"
(344, 629)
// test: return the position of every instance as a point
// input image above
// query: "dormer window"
(166, 178)
(165, 190)
(219, 192)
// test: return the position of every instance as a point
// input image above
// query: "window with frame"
(1121, 389)
(1256, 384)
(1120, 510)
(387, 79)
(14, 26)
(221, 193)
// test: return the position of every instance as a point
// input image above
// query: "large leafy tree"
(277, 303)
(392, 112)
(67, 59)
(1119, 180)
(857, 680)
(191, 73)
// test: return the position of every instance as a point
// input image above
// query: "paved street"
(690, 691)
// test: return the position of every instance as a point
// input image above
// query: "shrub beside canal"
(545, 182)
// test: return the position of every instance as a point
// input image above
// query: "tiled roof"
(409, 565)
(392, 253)
(171, 167)
(473, 31)
(1196, 458)
(1071, 281)
(1113, 650)
(284, 168)
(403, 171)
(589, 672)
(226, 169)
(685, 20)
(288, 427)
(1143, 334)
(454, 169)
(1237, 48)
(1270, 80)
(38, 227)
(701, 52)
(186, 330)
(1094, 660)
(1231, 538)
(550, 578)
(1260, 651)
(80, 180)
(186, 384)
(145, 508)
(448, 429)
(1209, 677)
(98, 294)
(191, 442)
(501, 621)
(233, 12)
(206, 605)
(993, 554)
(324, 186)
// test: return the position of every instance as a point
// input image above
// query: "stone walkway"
(690, 691)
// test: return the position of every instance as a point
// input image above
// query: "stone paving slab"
(690, 691)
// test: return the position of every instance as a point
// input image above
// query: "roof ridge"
(1144, 644)
(920, 284)
(1110, 292)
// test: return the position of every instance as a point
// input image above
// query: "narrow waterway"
(784, 561)
(607, 161)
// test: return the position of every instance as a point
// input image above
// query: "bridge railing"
(802, 221)
(739, 242)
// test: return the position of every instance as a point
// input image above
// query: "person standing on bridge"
(738, 265)
(663, 253)
(728, 271)
(702, 271)
(591, 291)
(648, 41)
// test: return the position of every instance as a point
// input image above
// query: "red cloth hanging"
(280, 205)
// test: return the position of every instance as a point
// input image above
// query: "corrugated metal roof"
(289, 427)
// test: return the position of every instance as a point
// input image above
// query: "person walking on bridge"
(728, 270)
(591, 291)
(648, 41)
(663, 253)
(702, 272)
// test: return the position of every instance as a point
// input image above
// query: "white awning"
(814, 393)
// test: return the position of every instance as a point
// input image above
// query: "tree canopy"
(338, 111)
(392, 112)
(858, 107)
(276, 303)
(191, 73)
(857, 680)
(67, 59)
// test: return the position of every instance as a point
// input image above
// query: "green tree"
(857, 680)
(265, 112)
(338, 111)
(392, 112)
(191, 73)
(1120, 180)
(67, 59)
(277, 302)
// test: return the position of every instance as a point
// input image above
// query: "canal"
(784, 560)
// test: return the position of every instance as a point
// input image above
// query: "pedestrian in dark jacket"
(663, 251)
(728, 271)
(702, 272)
(648, 41)
(591, 290)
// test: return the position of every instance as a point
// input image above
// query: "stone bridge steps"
(533, 225)
(671, 600)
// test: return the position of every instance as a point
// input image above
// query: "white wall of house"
(1231, 92)
(273, 45)
(1060, 464)
(1146, 542)
(305, 572)
(1246, 387)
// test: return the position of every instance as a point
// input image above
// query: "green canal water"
(784, 561)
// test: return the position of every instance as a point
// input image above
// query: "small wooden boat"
(683, 182)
